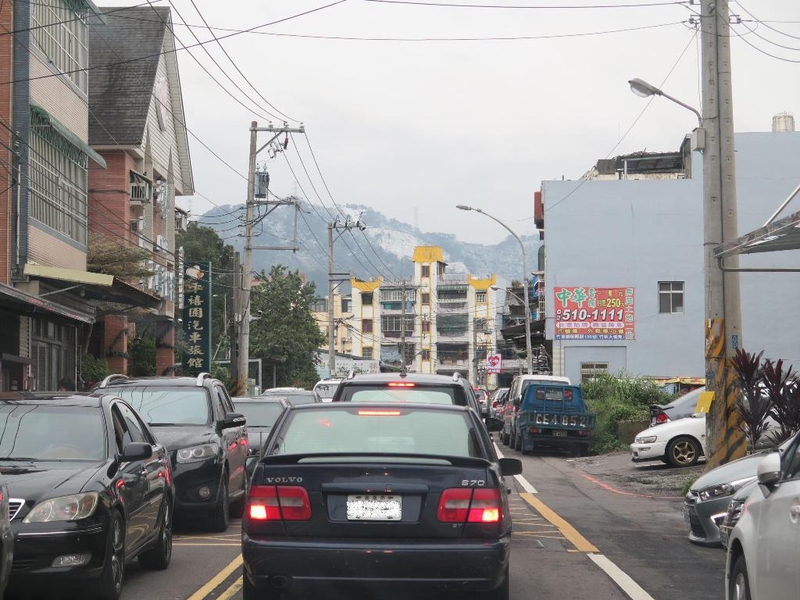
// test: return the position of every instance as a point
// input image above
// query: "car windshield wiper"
(19, 458)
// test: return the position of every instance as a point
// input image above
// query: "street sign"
(494, 363)
(588, 313)
(197, 317)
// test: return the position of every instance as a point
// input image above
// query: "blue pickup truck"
(553, 416)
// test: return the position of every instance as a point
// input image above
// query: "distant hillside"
(384, 248)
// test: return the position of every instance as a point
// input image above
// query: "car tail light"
(661, 418)
(534, 430)
(402, 384)
(584, 433)
(540, 394)
(273, 503)
(494, 404)
(460, 505)
(380, 413)
(567, 394)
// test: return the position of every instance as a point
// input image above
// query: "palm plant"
(752, 404)
(783, 389)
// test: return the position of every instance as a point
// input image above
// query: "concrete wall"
(637, 233)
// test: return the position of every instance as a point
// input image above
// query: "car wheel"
(251, 592)
(220, 516)
(683, 452)
(739, 584)
(157, 558)
(109, 587)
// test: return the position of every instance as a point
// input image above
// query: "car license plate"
(560, 434)
(365, 507)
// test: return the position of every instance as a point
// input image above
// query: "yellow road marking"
(217, 579)
(228, 545)
(231, 591)
(568, 531)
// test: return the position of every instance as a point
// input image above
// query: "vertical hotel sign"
(588, 313)
(197, 317)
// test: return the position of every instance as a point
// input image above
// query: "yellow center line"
(231, 591)
(567, 530)
(215, 581)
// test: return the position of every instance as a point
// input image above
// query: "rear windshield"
(379, 430)
(260, 414)
(399, 392)
(326, 390)
(299, 398)
(39, 432)
(168, 406)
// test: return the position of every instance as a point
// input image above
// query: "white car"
(678, 443)
(764, 546)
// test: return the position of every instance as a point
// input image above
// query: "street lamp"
(528, 351)
(645, 90)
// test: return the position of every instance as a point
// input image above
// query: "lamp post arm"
(686, 106)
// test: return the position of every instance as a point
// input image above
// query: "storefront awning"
(65, 132)
(19, 302)
(96, 286)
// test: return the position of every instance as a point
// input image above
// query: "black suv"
(408, 387)
(206, 438)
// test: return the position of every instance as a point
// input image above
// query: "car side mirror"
(493, 424)
(136, 451)
(769, 472)
(233, 420)
(510, 466)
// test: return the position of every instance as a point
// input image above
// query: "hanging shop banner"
(197, 317)
(589, 313)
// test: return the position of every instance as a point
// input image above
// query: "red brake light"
(459, 505)
(402, 384)
(380, 413)
(661, 418)
(567, 394)
(267, 502)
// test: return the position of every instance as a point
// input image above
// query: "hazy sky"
(412, 128)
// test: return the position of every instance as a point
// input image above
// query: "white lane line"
(520, 479)
(620, 577)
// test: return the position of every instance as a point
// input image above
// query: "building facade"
(640, 240)
(439, 322)
(137, 124)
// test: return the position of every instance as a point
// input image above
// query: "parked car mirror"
(136, 451)
(769, 472)
(510, 466)
(233, 420)
(493, 424)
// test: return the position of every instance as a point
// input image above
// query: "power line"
(766, 53)
(173, 51)
(541, 7)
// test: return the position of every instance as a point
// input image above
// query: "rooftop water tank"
(783, 122)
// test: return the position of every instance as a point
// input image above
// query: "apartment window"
(590, 370)
(480, 297)
(58, 181)
(52, 354)
(366, 326)
(62, 37)
(366, 352)
(426, 270)
(366, 299)
(426, 299)
(670, 297)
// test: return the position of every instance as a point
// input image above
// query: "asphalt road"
(592, 528)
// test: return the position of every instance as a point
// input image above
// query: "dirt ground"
(649, 479)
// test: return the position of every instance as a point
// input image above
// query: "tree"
(203, 244)
(117, 259)
(285, 329)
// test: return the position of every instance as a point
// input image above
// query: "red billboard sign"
(589, 313)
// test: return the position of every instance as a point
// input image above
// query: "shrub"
(616, 398)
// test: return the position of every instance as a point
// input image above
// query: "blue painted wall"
(637, 233)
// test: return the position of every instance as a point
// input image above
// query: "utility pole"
(403, 329)
(333, 281)
(723, 324)
(235, 310)
(243, 362)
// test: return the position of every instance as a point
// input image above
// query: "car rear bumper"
(297, 564)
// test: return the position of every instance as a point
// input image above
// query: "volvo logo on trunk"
(283, 479)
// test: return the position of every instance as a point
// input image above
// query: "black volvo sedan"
(360, 498)
(90, 490)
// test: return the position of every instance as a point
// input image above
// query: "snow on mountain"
(383, 249)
